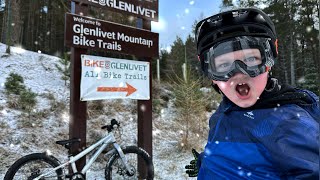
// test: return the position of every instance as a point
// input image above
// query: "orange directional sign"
(129, 89)
(110, 78)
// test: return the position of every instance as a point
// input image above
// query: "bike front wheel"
(33, 165)
(116, 170)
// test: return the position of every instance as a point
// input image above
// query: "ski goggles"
(245, 54)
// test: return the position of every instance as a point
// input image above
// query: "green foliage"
(191, 109)
(64, 68)
(14, 84)
(311, 81)
(27, 100)
(191, 57)
(176, 57)
(163, 63)
(160, 96)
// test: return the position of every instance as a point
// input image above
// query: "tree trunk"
(4, 25)
(8, 35)
(15, 21)
(292, 63)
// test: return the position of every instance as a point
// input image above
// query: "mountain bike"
(122, 163)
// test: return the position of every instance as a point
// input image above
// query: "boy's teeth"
(240, 84)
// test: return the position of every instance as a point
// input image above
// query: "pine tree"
(310, 80)
(64, 68)
(176, 57)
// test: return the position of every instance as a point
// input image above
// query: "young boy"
(261, 130)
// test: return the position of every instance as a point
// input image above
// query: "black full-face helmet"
(236, 30)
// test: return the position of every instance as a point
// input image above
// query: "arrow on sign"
(129, 89)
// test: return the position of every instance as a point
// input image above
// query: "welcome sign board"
(111, 78)
(89, 33)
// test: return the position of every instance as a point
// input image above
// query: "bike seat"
(67, 143)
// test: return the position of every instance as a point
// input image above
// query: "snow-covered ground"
(21, 135)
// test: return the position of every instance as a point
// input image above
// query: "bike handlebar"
(111, 126)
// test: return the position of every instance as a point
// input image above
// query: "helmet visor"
(239, 54)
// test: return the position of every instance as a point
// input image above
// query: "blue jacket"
(276, 140)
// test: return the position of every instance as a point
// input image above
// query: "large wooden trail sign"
(82, 33)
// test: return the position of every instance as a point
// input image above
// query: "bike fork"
(123, 159)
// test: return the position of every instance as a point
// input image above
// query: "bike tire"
(112, 167)
(37, 159)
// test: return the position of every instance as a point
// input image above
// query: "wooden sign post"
(78, 109)
(145, 112)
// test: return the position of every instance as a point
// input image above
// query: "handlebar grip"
(110, 127)
(114, 122)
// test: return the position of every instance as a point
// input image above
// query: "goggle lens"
(243, 54)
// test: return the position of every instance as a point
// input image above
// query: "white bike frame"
(103, 142)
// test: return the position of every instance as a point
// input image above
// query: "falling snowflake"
(302, 80)
(308, 29)
(131, 18)
(191, 2)
(39, 51)
(143, 108)
(241, 173)
(186, 11)
(249, 174)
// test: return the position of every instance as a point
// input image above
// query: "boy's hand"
(192, 169)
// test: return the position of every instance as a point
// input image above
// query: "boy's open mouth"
(243, 89)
